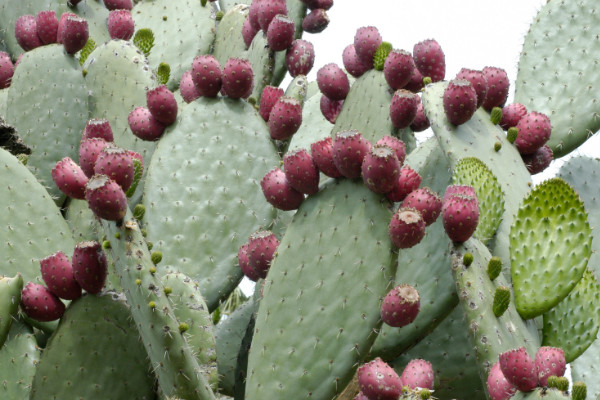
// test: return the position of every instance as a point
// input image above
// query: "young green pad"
(550, 246)
(10, 298)
(18, 357)
(334, 264)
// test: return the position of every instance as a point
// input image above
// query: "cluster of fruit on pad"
(378, 381)
(150, 123)
(44, 28)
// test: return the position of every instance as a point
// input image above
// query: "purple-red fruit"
(430, 59)
(366, 41)
(352, 63)
(511, 115)
(117, 164)
(207, 75)
(46, 26)
(98, 128)
(106, 198)
(403, 108)
(395, 144)
(421, 122)
(460, 215)
(415, 84)
(361, 396)
(238, 78)
(498, 386)
(398, 69)
(90, 266)
(497, 81)
(162, 104)
(301, 171)
(262, 246)
(280, 33)
(427, 202)
(313, 4)
(120, 24)
(315, 21)
(253, 14)
(538, 161)
(534, 131)
(549, 361)
(300, 57)
(278, 191)
(330, 108)
(333, 82)
(380, 169)
(40, 303)
(61, 26)
(418, 374)
(269, 97)
(58, 274)
(267, 10)
(75, 34)
(89, 149)
(408, 181)
(26, 32)
(322, 154)
(478, 80)
(460, 101)
(70, 178)
(378, 381)
(7, 70)
(244, 262)
(349, 150)
(406, 228)
(285, 118)
(187, 88)
(118, 4)
(248, 31)
(464, 190)
(143, 124)
(400, 306)
(519, 369)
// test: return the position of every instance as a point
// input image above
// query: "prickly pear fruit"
(280, 33)
(262, 246)
(330, 108)
(267, 10)
(418, 374)
(162, 104)
(380, 169)
(118, 4)
(395, 144)
(400, 306)
(333, 82)
(538, 161)
(349, 150)
(378, 381)
(403, 108)
(519, 369)
(207, 75)
(143, 124)
(407, 228)
(187, 88)
(353, 64)
(301, 171)
(408, 181)
(322, 154)
(315, 21)
(26, 32)
(460, 215)
(75, 34)
(511, 115)
(40, 303)
(98, 128)
(120, 24)
(300, 57)
(106, 198)
(248, 31)
(427, 202)
(278, 191)
(7, 70)
(269, 97)
(70, 178)
(244, 262)
(398, 68)
(90, 266)
(89, 149)
(430, 59)
(361, 396)
(549, 361)
(415, 84)
(498, 386)
(46, 25)
(285, 118)
(420, 123)
(478, 80)
(458, 189)
(253, 14)
(534, 131)
(238, 78)
(460, 101)
(61, 26)
(117, 164)
(58, 274)
(366, 41)
(314, 4)
(498, 84)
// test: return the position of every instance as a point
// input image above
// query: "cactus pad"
(18, 357)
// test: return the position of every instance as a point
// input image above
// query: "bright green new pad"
(48, 105)
(202, 195)
(31, 226)
(320, 308)
(550, 243)
(10, 298)
(573, 324)
(18, 357)
(229, 41)
(95, 351)
(557, 71)
(473, 172)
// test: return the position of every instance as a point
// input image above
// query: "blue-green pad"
(226, 5)
(298, 89)
(261, 58)
(18, 357)
(229, 41)
(3, 103)
(96, 14)
(320, 308)
(314, 126)
(48, 106)
(10, 298)
(202, 196)
(541, 393)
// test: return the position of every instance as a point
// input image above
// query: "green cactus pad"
(94, 351)
(18, 357)
(241, 368)
(334, 264)
(298, 89)
(89, 47)
(542, 394)
(96, 14)
(557, 71)
(262, 59)
(226, 5)
(229, 41)
(473, 172)
(203, 198)
(381, 54)
(550, 246)
(51, 135)
(144, 40)
(10, 298)
(501, 300)
(314, 126)
(573, 324)
(579, 391)
(163, 72)
(84, 225)
(3, 103)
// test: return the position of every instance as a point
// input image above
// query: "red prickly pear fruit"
(538, 161)
(430, 59)
(460, 215)
(330, 108)
(61, 26)
(354, 65)
(120, 24)
(301, 171)
(269, 97)
(187, 88)
(380, 169)
(460, 101)
(403, 108)
(262, 246)
(89, 149)
(322, 153)
(464, 190)
(162, 104)
(349, 151)
(244, 262)
(136, 156)
(378, 381)
(248, 32)
(418, 374)
(314, 4)
(333, 82)
(398, 68)
(408, 181)
(69, 178)
(278, 191)
(427, 202)
(415, 84)
(117, 164)
(7, 70)
(46, 24)
(285, 118)
(511, 115)
(19, 59)
(118, 4)
(41, 304)
(498, 387)
(267, 10)
(316, 21)
(90, 266)
(300, 57)
(253, 15)
(75, 34)
(395, 144)
(280, 33)
(406, 228)
(98, 128)
(400, 306)
(143, 124)
(207, 75)
(106, 198)
(366, 41)
(26, 32)
(421, 122)
(478, 80)
(238, 78)
(549, 361)
(58, 274)
(534, 131)
(519, 369)
(497, 81)
(361, 396)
